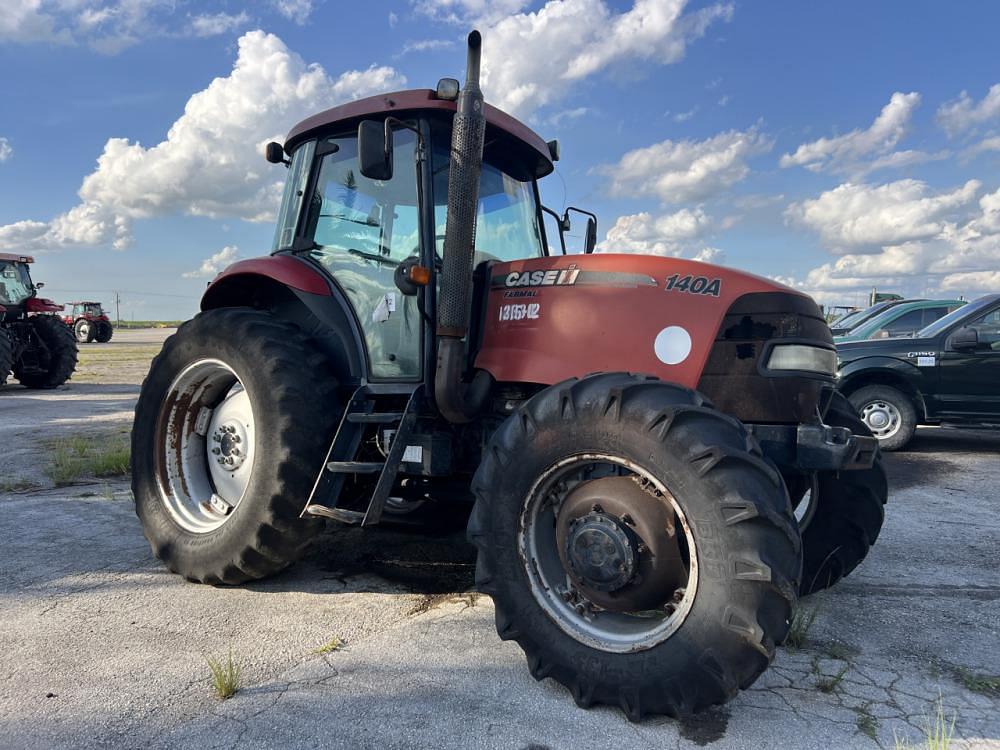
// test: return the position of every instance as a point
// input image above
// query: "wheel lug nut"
(215, 451)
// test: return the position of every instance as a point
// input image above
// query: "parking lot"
(101, 647)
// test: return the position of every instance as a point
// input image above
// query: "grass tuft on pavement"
(225, 676)
(334, 644)
(86, 456)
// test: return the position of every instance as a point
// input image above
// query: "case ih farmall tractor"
(35, 345)
(631, 433)
(89, 322)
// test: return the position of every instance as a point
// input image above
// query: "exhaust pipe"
(457, 401)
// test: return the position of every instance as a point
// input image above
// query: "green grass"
(798, 632)
(148, 323)
(988, 685)
(83, 457)
(938, 733)
(334, 644)
(225, 676)
(866, 722)
(830, 684)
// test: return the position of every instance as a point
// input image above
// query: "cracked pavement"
(101, 647)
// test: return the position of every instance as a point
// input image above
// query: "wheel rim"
(205, 446)
(806, 507)
(559, 592)
(882, 418)
(83, 331)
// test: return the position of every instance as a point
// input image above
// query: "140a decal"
(694, 285)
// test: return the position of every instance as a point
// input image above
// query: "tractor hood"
(548, 319)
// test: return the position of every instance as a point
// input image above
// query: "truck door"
(969, 381)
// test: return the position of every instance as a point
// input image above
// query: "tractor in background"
(35, 345)
(650, 451)
(89, 322)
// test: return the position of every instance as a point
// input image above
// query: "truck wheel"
(636, 544)
(841, 513)
(62, 354)
(888, 413)
(231, 428)
(6, 356)
(104, 332)
(84, 331)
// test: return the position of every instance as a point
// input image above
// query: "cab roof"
(527, 144)
(17, 258)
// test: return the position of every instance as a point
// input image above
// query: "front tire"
(740, 550)
(888, 413)
(230, 430)
(61, 356)
(85, 331)
(6, 356)
(844, 514)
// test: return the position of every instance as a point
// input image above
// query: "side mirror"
(965, 340)
(375, 150)
(590, 239)
(39, 285)
(274, 153)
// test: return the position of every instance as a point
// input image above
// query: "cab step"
(354, 467)
(352, 517)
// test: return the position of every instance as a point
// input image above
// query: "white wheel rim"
(882, 418)
(205, 444)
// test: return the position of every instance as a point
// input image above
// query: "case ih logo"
(552, 277)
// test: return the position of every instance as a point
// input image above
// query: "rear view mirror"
(375, 150)
(274, 153)
(590, 240)
(39, 285)
(965, 339)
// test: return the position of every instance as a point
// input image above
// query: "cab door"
(969, 381)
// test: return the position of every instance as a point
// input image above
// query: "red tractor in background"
(35, 345)
(650, 452)
(89, 322)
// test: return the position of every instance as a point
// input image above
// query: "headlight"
(803, 357)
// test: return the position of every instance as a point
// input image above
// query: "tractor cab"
(16, 286)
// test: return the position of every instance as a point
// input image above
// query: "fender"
(297, 291)
(40, 305)
(891, 366)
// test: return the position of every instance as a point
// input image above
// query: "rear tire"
(292, 393)
(846, 515)
(58, 337)
(746, 543)
(104, 332)
(888, 413)
(6, 356)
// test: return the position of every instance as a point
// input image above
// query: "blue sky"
(827, 144)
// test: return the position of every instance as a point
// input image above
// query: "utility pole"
(118, 312)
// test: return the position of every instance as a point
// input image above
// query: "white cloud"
(849, 153)
(684, 171)
(964, 114)
(711, 255)
(6, 150)
(426, 45)
(984, 146)
(465, 12)
(685, 116)
(566, 115)
(532, 59)
(669, 235)
(944, 254)
(295, 10)
(215, 263)
(213, 24)
(211, 162)
(853, 216)
(25, 21)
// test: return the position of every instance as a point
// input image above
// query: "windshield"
(15, 283)
(93, 309)
(291, 200)
(846, 321)
(507, 220)
(954, 316)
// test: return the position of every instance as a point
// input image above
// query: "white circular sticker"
(672, 345)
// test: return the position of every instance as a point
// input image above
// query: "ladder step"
(375, 417)
(337, 514)
(354, 467)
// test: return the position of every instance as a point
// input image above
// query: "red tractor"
(89, 322)
(35, 345)
(651, 452)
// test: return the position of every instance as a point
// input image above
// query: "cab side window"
(905, 325)
(988, 328)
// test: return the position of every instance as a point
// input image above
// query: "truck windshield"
(15, 283)
(507, 225)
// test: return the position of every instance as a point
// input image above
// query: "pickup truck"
(949, 373)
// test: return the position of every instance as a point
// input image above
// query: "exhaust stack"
(457, 401)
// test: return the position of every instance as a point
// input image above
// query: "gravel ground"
(101, 647)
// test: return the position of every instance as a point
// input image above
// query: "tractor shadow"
(396, 559)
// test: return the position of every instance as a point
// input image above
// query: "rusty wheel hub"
(618, 543)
